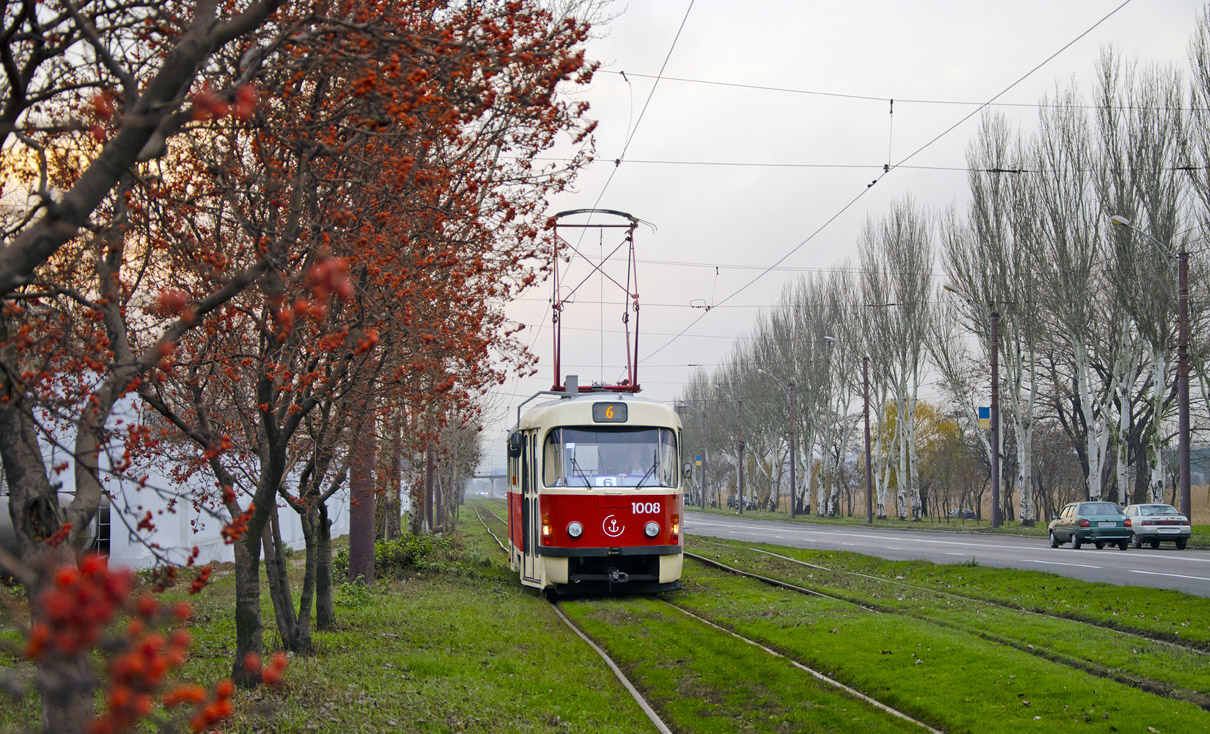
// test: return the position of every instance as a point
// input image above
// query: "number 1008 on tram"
(595, 495)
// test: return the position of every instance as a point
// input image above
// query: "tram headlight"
(652, 529)
(575, 529)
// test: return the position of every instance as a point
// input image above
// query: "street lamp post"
(1182, 356)
(865, 409)
(739, 405)
(994, 410)
(793, 446)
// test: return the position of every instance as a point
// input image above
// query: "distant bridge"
(487, 484)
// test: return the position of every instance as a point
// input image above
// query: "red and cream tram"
(595, 494)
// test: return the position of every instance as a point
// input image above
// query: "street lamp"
(739, 404)
(701, 414)
(1182, 351)
(865, 400)
(994, 410)
(793, 447)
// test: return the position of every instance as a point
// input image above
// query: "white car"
(1153, 523)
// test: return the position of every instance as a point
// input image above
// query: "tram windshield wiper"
(576, 466)
(655, 461)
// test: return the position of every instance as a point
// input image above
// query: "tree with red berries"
(396, 170)
(253, 217)
(92, 94)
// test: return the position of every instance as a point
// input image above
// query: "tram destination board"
(609, 412)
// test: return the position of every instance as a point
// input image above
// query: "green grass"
(910, 588)
(701, 680)
(461, 646)
(1158, 613)
(466, 649)
(948, 677)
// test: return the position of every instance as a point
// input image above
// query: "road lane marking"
(948, 553)
(1057, 563)
(1174, 575)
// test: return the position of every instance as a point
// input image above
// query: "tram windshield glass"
(610, 457)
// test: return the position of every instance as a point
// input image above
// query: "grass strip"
(1159, 613)
(944, 676)
(461, 648)
(1158, 667)
(702, 680)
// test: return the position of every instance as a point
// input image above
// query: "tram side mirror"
(688, 470)
(514, 445)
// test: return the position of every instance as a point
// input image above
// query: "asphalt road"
(1166, 568)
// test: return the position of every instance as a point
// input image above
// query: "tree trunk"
(325, 608)
(393, 500)
(361, 511)
(279, 581)
(248, 632)
(65, 683)
(301, 642)
(430, 472)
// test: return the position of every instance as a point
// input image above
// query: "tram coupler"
(618, 577)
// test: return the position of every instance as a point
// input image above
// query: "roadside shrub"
(353, 594)
(394, 558)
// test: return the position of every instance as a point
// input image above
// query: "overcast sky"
(785, 124)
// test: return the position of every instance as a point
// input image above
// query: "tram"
(595, 494)
(594, 472)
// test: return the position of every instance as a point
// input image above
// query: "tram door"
(530, 517)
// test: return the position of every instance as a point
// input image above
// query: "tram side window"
(610, 457)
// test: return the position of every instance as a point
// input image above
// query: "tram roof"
(577, 411)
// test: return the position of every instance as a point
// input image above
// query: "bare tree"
(991, 260)
(1071, 273)
(896, 264)
(1141, 126)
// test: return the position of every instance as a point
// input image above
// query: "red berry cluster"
(270, 674)
(238, 525)
(82, 603)
(77, 607)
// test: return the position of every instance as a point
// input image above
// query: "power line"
(886, 172)
(850, 166)
(626, 146)
(629, 138)
(886, 98)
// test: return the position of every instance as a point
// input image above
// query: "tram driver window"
(610, 457)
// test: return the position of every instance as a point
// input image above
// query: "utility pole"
(869, 471)
(793, 453)
(740, 405)
(702, 414)
(1182, 378)
(995, 419)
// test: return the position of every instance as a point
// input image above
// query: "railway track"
(1140, 644)
(846, 690)
(626, 683)
(1033, 646)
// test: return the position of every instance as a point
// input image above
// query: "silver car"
(1153, 523)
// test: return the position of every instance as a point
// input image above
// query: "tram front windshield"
(610, 457)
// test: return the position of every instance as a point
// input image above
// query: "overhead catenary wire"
(848, 205)
(857, 166)
(887, 98)
(629, 138)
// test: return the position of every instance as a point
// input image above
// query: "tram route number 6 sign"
(609, 412)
